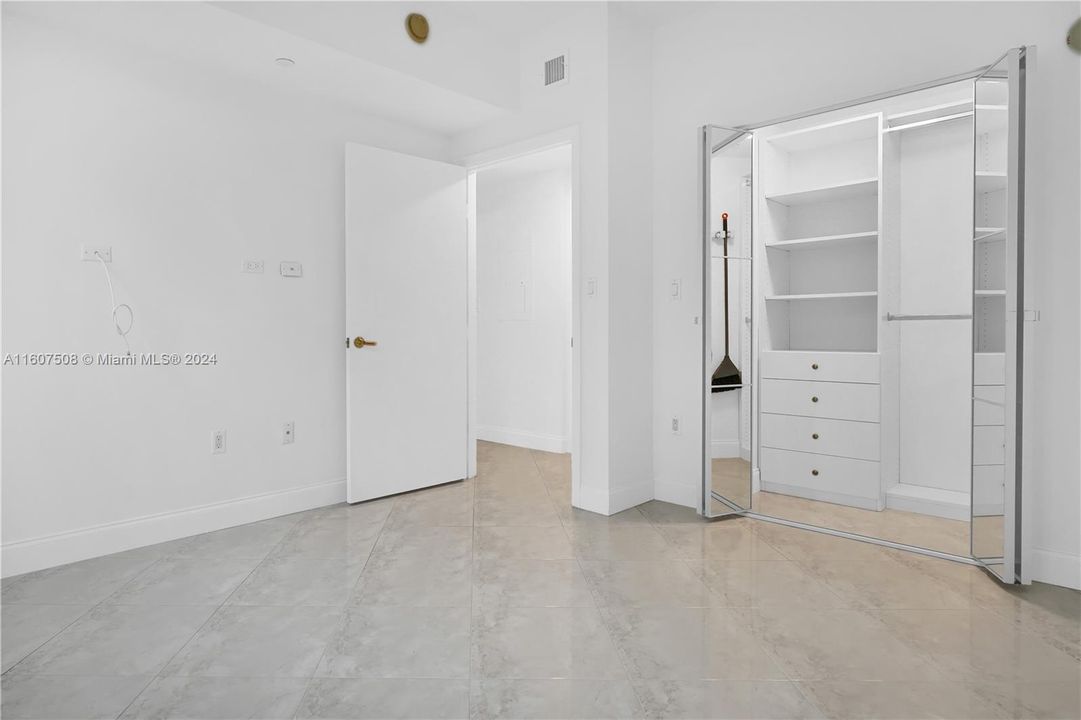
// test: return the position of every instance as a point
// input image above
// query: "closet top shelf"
(825, 296)
(825, 241)
(864, 187)
(863, 127)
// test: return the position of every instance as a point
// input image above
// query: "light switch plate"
(252, 266)
(291, 268)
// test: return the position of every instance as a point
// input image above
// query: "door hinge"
(1032, 316)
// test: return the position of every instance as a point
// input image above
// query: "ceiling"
(354, 53)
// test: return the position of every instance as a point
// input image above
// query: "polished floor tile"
(640, 583)
(544, 642)
(82, 583)
(185, 581)
(43, 697)
(668, 643)
(499, 582)
(241, 641)
(380, 698)
(399, 642)
(494, 598)
(735, 699)
(217, 698)
(298, 580)
(25, 628)
(118, 640)
(563, 698)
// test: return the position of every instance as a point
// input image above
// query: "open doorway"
(522, 376)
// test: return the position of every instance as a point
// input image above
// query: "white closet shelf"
(987, 182)
(825, 296)
(866, 187)
(824, 241)
(864, 127)
(990, 293)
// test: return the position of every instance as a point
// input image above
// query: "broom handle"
(724, 237)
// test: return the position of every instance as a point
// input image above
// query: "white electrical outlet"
(90, 253)
(291, 268)
(217, 442)
(252, 266)
(675, 425)
(288, 434)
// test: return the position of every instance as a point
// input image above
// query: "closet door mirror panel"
(727, 280)
(998, 313)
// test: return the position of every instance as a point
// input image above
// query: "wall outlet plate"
(89, 253)
(291, 268)
(217, 442)
(676, 430)
(288, 433)
(252, 266)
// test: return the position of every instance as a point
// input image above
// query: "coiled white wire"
(120, 330)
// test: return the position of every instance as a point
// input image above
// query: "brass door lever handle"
(359, 342)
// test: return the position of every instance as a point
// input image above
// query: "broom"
(726, 376)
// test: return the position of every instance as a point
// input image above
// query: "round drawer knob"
(814, 398)
(814, 366)
(814, 472)
(814, 436)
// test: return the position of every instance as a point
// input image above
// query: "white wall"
(743, 63)
(523, 304)
(184, 174)
(581, 32)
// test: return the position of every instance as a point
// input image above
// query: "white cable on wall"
(120, 330)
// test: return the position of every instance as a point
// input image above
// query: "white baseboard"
(728, 449)
(1056, 568)
(523, 438)
(43, 552)
(824, 496)
(948, 504)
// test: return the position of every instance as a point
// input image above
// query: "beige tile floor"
(494, 598)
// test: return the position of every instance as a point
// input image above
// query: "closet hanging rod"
(890, 317)
(932, 121)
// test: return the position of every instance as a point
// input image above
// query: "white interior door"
(405, 290)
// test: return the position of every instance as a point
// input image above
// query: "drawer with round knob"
(843, 438)
(821, 477)
(839, 401)
(821, 366)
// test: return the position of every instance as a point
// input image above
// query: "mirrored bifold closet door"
(863, 317)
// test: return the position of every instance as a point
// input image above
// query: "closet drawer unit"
(839, 401)
(824, 366)
(988, 445)
(821, 477)
(989, 406)
(844, 438)
(989, 369)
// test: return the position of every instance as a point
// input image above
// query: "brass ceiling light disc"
(417, 27)
(1073, 39)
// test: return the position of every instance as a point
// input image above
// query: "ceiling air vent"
(555, 71)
